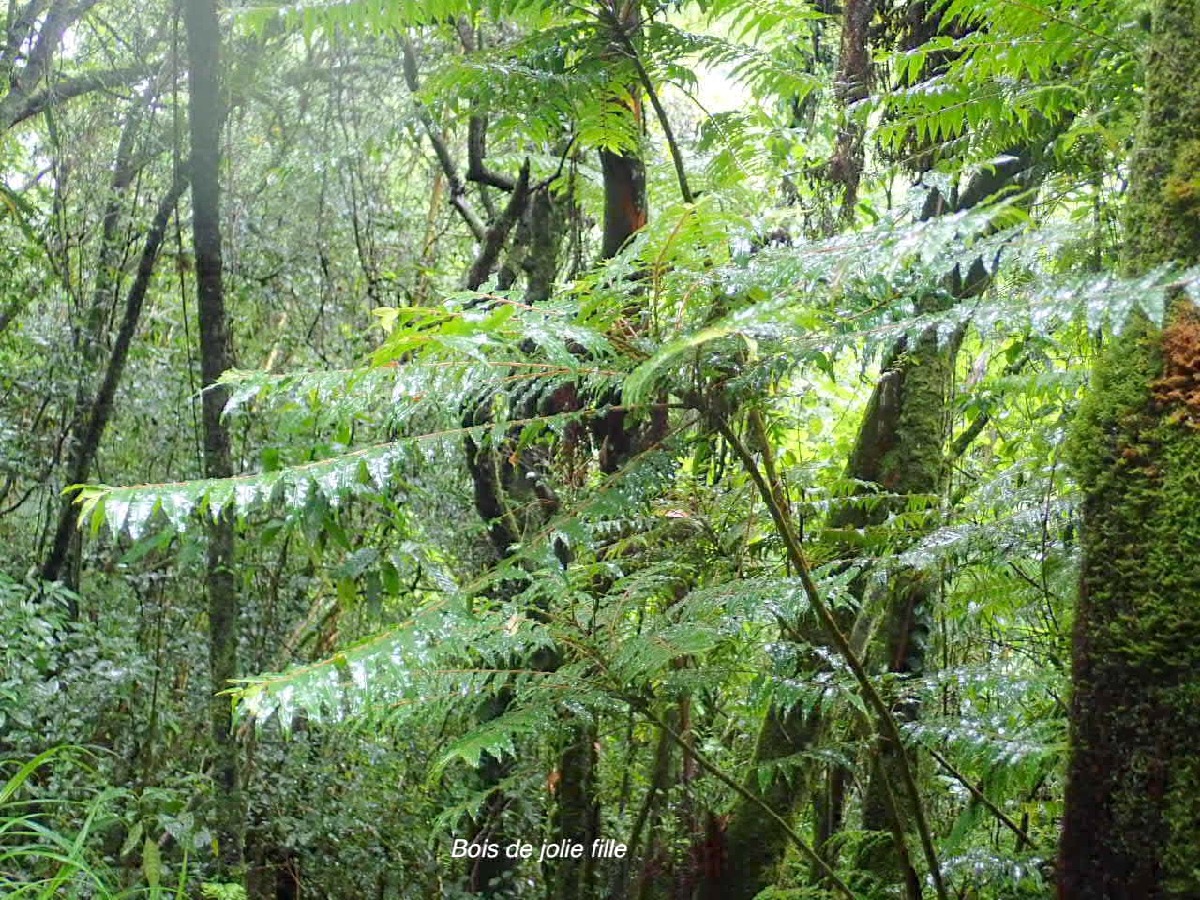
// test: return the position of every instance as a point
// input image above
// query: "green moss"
(1157, 230)
(1136, 727)
(1116, 411)
(1139, 466)
(1182, 862)
(915, 465)
(1132, 820)
(1181, 190)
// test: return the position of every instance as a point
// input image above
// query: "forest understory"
(632, 449)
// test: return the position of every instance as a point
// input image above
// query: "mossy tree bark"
(1132, 819)
(910, 452)
(204, 121)
(906, 453)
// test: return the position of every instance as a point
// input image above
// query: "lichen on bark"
(1162, 218)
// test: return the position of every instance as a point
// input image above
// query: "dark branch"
(489, 253)
(83, 455)
(17, 107)
(660, 112)
(477, 151)
(458, 191)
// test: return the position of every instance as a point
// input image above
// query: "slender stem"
(996, 811)
(92, 429)
(458, 194)
(886, 722)
(758, 428)
(659, 111)
(746, 794)
(640, 704)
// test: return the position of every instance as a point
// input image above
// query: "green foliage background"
(377, 619)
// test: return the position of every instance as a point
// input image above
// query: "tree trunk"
(912, 464)
(514, 506)
(911, 457)
(1132, 818)
(91, 428)
(852, 84)
(577, 811)
(899, 448)
(62, 560)
(204, 122)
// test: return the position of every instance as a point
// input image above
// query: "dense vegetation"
(751, 441)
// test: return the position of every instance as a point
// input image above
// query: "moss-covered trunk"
(913, 466)
(1132, 817)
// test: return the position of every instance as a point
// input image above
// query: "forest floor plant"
(43, 860)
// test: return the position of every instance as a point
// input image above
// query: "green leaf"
(151, 863)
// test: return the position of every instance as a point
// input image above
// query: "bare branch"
(477, 151)
(489, 253)
(458, 191)
(17, 107)
(982, 798)
(20, 30)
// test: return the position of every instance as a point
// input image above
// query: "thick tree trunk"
(32, 36)
(624, 198)
(1132, 820)
(911, 465)
(625, 207)
(204, 121)
(911, 461)
(626, 212)
(514, 505)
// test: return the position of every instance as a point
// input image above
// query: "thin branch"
(477, 171)
(659, 111)
(20, 30)
(962, 443)
(886, 722)
(562, 163)
(18, 107)
(758, 429)
(458, 190)
(813, 856)
(1070, 23)
(494, 240)
(58, 19)
(982, 798)
(102, 405)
